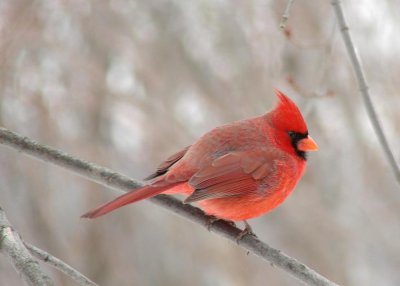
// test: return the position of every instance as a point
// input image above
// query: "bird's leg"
(213, 219)
(247, 230)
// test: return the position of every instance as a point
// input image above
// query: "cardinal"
(237, 171)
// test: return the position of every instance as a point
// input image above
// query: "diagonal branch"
(60, 265)
(363, 87)
(12, 246)
(117, 181)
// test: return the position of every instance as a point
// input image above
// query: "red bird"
(237, 171)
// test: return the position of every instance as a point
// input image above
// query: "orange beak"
(307, 144)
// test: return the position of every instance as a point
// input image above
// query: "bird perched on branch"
(237, 171)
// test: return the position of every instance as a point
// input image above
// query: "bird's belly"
(240, 207)
(244, 207)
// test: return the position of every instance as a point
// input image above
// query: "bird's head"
(290, 130)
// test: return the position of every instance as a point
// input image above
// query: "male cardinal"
(237, 171)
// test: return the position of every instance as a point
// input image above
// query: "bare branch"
(285, 16)
(60, 265)
(12, 247)
(112, 179)
(363, 87)
(18, 251)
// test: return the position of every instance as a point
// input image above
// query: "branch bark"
(285, 16)
(60, 265)
(12, 246)
(363, 87)
(117, 181)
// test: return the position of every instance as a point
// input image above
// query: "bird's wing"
(233, 174)
(165, 165)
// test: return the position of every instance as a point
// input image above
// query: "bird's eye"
(292, 134)
(297, 135)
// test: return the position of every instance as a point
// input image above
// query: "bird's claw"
(246, 231)
(210, 222)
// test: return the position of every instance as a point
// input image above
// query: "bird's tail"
(128, 198)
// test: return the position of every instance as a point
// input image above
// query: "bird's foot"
(213, 219)
(246, 231)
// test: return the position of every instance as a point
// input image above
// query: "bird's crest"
(286, 116)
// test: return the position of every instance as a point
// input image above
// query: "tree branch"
(117, 181)
(12, 247)
(363, 87)
(60, 265)
(285, 16)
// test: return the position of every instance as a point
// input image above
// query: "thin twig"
(26, 264)
(12, 246)
(112, 179)
(60, 265)
(363, 87)
(285, 16)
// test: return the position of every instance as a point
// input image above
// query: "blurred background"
(126, 83)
